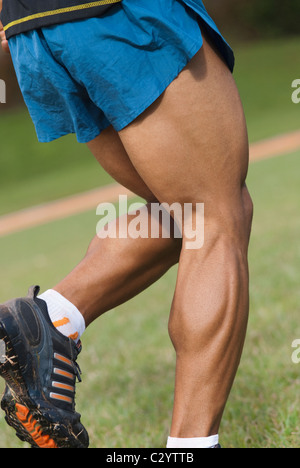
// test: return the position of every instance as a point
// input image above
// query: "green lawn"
(32, 173)
(264, 406)
(128, 361)
(264, 74)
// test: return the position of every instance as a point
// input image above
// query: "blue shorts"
(83, 76)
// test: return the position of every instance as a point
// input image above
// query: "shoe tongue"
(33, 292)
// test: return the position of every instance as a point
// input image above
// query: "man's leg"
(115, 270)
(191, 146)
(39, 399)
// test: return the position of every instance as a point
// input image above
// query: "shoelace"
(77, 371)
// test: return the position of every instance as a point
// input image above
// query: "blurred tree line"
(7, 74)
(256, 19)
(237, 19)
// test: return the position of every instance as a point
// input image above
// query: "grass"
(122, 369)
(33, 173)
(265, 399)
(128, 361)
(127, 390)
(264, 74)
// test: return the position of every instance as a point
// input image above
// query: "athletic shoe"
(39, 366)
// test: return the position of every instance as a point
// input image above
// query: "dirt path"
(277, 146)
(76, 204)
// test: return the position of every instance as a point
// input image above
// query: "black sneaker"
(39, 366)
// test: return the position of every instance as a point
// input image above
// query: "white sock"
(194, 442)
(64, 315)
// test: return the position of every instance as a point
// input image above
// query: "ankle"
(64, 315)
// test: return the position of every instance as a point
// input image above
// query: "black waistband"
(19, 16)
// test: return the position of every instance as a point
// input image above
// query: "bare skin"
(128, 266)
(4, 42)
(190, 146)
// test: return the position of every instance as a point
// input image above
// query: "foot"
(39, 366)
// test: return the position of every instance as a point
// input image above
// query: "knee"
(234, 225)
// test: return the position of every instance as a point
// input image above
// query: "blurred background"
(265, 37)
(121, 349)
(258, 19)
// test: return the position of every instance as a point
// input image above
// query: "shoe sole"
(31, 423)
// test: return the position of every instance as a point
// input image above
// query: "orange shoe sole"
(33, 428)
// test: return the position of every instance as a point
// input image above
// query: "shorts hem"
(81, 139)
(121, 124)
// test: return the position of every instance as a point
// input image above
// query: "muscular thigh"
(191, 145)
(111, 154)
